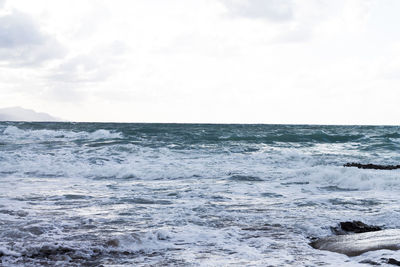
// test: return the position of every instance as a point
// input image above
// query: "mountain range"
(22, 114)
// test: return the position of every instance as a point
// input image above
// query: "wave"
(391, 135)
(180, 137)
(340, 179)
(44, 134)
(175, 152)
(295, 138)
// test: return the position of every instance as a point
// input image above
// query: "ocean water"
(107, 194)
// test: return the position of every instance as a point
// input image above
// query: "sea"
(131, 194)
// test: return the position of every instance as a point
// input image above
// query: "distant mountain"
(22, 114)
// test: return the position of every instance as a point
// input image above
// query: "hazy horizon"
(54, 119)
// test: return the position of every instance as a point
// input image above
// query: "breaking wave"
(15, 133)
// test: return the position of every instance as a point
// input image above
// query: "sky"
(203, 61)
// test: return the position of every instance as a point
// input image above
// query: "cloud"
(22, 43)
(81, 68)
(2, 2)
(79, 76)
(282, 21)
(17, 30)
(272, 10)
(95, 66)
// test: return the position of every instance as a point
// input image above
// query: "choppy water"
(93, 194)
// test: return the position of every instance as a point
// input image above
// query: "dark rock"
(113, 243)
(354, 227)
(393, 261)
(48, 251)
(370, 262)
(372, 166)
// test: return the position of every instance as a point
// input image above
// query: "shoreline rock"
(393, 261)
(354, 238)
(357, 244)
(372, 166)
(357, 227)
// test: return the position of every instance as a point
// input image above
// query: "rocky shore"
(372, 166)
(355, 238)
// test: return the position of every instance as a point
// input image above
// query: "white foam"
(194, 211)
(7, 252)
(349, 178)
(15, 133)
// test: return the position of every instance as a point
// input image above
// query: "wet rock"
(113, 243)
(372, 166)
(356, 244)
(354, 227)
(370, 262)
(46, 251)
(50, 252)
(393, 262)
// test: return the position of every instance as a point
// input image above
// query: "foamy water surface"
(92, 194)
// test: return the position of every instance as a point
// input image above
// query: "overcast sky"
(228, 61)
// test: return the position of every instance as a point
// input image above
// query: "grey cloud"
(96, 66)
(82, 68)
(273, 10)
(17, 30)
(22, 43)
(69, 80)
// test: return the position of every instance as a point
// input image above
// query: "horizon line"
(205, 123)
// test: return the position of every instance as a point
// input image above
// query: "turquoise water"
(189, 194)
